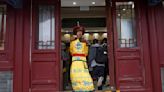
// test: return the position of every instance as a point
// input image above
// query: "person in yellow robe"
(80, 77)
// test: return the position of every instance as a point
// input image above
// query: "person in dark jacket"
(65, 57)
(106, 70)
(97, 69)
(92, 52)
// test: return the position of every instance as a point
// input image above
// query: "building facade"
(30, 58)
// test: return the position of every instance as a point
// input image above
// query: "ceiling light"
(93, 2)
(104, 35)
(130, 2)
(74, 3)
(132, 5)
(123, 9)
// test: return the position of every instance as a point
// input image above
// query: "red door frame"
(26, 47)
(18, 50)
(110, 46)
(110, 35)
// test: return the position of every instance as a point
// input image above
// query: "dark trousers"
(106, 72)
(98, 71)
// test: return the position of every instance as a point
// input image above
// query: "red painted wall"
(155, 25)
(159, 17)
(11, 57)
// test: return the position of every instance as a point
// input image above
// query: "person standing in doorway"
(92, 55)
(106, 70)
(66, 61)
(79, 73)
(98, 59)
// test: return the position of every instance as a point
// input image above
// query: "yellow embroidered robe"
(79, 73)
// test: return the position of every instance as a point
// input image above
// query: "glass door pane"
(2, 26)
(162, 78)
(46, 33)
(6, 81)
(126, 26)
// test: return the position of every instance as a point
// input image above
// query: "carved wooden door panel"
(131, 48)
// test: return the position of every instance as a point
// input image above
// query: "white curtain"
(46, 27)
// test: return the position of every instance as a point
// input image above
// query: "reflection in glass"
(162, 78)
(46, 34)
(2, 26)
(6, 81)
(126, 26)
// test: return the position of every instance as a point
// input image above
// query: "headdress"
(78, 28)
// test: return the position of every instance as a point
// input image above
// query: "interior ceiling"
(96, 10)
(75, 12)
(69, 3)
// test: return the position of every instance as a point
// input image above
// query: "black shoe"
(100, 88)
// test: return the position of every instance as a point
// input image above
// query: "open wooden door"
(131, 50)
(45, 46)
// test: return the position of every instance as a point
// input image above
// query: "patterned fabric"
(80, 77)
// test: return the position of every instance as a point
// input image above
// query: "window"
(126, 26)
(6, 81)
(162, 76)
(2, 26)
(46, 32)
